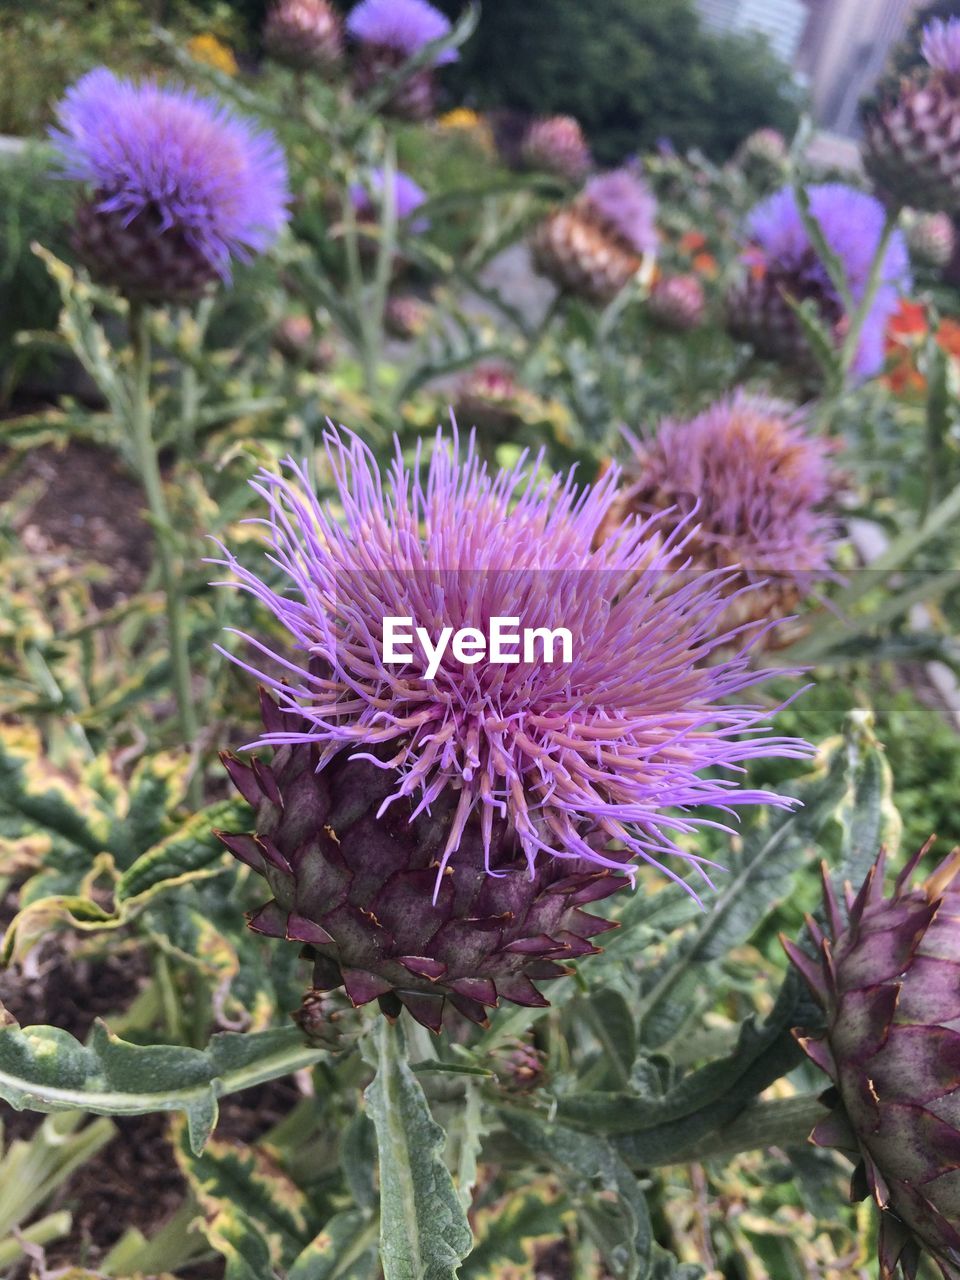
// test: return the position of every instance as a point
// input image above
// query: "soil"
(134, 1181)
(88, 507)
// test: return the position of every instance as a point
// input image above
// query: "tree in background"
(631, 71)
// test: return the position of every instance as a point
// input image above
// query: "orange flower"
(706, 265)
(692, 242)
(909, 320)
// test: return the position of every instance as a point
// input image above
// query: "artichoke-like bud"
(594, 247)
(361, 892)
(783, 267)
(912, 139)
(520, 1067)
(306, 35)
(557, 145)
(176, 185)
(931, 237)
(388, 33)
(491, 399)
(766, 147)
(329, 1020)
(406, 316)
(677, 302)
(887, 974)
(297, 341)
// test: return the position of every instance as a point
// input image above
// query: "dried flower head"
(178, 185)
(595, 760)
(784, 263)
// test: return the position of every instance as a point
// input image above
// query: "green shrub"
(631, 71)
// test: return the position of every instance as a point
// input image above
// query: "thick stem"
(785, 1122)
(149, 468)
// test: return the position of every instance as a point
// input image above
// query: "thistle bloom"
(389, 32)
(435, 836)
(595, 246)
(404, 26)
(557, 144)
(178, 185)
(609, 742)
(756, 483)
(367, 198)
(940, 45)
(305, 34)
(782, 262)
(911, 138)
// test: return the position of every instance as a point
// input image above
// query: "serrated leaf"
(584, 1162)
(47, 1069)
(190, 853)
(424, 1234)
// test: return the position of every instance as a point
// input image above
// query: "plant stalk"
(784, 1122)
(149, 467)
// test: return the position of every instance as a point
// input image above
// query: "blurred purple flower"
(852, 224)
(940, 45)
(183, 160)
(403, 26)
(625, 203)
(367, 198)
(599, 758)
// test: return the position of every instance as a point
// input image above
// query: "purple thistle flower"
(754, 480)
(597, 759)
(852, 224)
(625, 203)
(403, 26)
(181, 161)
(367, 198)
(940, 45)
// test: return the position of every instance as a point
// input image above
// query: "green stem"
(149, 467)
(851, 343)
(785, 1122)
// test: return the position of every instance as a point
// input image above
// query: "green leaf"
(760, 876)
(225, 1176)
(424, 1234)
(512, 1229)
(705, 1099)
(583, 1161)
(826, 353)
(193, 852)
(346, 1249)
(46, 1069)
(832, 262)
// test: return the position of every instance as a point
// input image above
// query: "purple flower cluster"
(403, 26)
(367, 198)
(183, 159)
(625, 203)
(852, 223)
(598, 758)
(940, 45)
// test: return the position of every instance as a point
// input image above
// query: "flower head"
(755, 481)
(367, 198)
(305, 34)
(625, 203)
(403, 26)
(852, 224)
(940, 45)
(181, 164)
(595, 760)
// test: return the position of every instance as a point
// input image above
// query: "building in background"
(838, 49)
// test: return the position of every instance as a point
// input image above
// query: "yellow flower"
(464, 120)
(214, 53)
